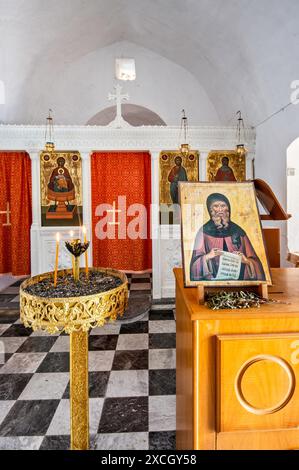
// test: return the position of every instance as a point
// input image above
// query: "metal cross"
(113, 211)
(7, 212)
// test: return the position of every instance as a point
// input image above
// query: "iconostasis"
(62, 190)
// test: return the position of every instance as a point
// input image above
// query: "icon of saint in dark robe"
(221, 235)
(60, 180)
(176, 174)
(225, 172)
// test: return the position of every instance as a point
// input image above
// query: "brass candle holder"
(76, 248)
(75, 316)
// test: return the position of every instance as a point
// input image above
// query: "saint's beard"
(221, 221)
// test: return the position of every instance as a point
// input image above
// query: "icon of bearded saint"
(220, 235)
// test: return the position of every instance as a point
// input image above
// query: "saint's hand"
(243, 257)
(214, 253)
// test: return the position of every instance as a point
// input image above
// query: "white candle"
(56, 258)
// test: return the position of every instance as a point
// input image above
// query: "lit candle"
(86, 254)
(72, 256)
(56, 259)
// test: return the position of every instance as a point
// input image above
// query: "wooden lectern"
(274, 211)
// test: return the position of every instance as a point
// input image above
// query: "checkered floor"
(131, 381)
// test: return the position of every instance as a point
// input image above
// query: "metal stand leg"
(79, 390)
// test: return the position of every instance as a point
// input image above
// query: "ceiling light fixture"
(184, 147)
(2, 92)
(49, 133)
(125, 69)
(241, 137)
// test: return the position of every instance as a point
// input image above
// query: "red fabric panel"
(15, 188)
(116, 174)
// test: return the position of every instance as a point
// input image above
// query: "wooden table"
(237, 371)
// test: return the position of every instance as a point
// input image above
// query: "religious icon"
(226, 165)
(61, 181)
(175, 167)
(61, 192)
(225, 172)
(176, 174)
(222, 240)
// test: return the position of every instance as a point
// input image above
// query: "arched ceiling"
(244, 53)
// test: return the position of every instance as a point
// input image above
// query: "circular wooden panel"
(287, 395)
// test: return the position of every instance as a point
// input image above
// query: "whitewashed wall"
(166, 251)
(292, 195)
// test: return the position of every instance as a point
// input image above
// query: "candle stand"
(75, 316)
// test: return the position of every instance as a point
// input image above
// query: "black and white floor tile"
(131, 380)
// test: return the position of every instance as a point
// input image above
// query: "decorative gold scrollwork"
(73, 313)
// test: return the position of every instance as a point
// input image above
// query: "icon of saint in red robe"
(225, 172)
(221, 235)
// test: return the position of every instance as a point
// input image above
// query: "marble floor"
(131, 380)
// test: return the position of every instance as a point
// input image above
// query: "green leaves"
(234, 300)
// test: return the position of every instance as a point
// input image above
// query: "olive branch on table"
(237, 300)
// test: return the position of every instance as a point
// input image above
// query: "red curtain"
(15, 190)
(115, 174)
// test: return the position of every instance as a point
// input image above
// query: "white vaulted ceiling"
(243, 53)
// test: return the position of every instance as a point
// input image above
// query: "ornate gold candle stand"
(75, 316)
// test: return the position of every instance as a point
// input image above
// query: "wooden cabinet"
(237, 371)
